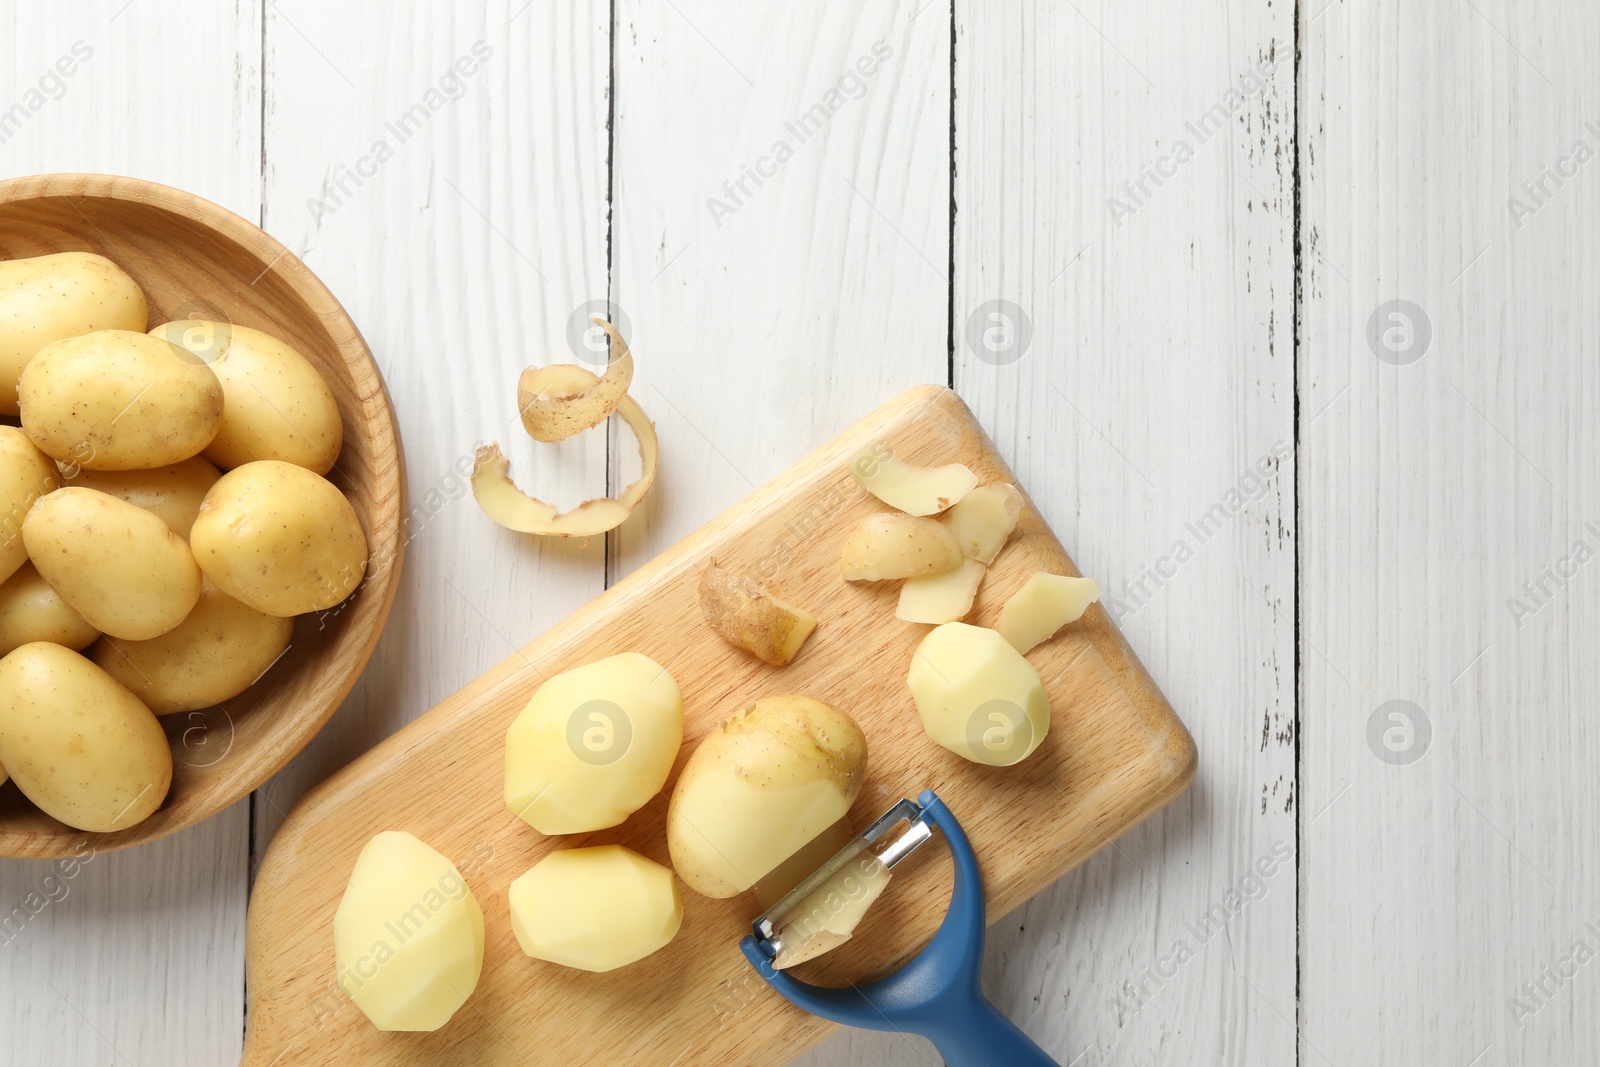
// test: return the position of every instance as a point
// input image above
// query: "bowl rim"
(386, 518)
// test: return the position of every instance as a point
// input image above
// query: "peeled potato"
(594, 744)
(595, 909)
(977, 696)
(888, 545)
(173, 492)
(26, 474)
(119, 566)
(117, 400)
(280, 539)
(408, 935)
(759, 788)
(31, 610)
(214, 654)
(276, 405)
(80, 746)
(46, 298)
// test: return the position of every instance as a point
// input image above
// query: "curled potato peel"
(553, 408)
(515, 510)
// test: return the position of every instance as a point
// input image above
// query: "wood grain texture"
(133, 960)
(1444, 505)
(1115, 753)
(463, 254)
(1151, 415)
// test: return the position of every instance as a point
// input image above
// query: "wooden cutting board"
(1115, 753)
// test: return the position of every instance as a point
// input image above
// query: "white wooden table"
(1304, 501)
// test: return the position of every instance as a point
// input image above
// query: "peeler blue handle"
(937, 994)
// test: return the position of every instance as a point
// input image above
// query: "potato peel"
(747, 616)
(553, 410)
(509, 506)
(908, 488)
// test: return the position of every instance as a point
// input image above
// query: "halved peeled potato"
(748, 617)
(1045, 603)
(595, 909)
(913, 490)
(889, 545)
(408, 935)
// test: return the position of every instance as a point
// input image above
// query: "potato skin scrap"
(748, 617)
(984, 519)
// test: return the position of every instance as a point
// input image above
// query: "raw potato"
(46, 298)
(119, 566)
(509, 506)
(552, 410)
(977, 696)
(275, 403)
(279, 538)
(595, 909)
(80, 746)
(26, 475)
(749, 617)
(1045, 603)
(889, 545)
(914, 490)
(174, 493)
(776, 883)
(593, 745)
(408, 935)
(30, 610)
(118, 400)
(216, 653)
(830, 913)
(943, 597)
(759, 788)
(983, 520)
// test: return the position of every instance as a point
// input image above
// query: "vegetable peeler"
(937, 994)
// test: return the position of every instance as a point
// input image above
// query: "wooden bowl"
(196, 260)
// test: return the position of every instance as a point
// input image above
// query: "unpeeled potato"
(31, 610)
(119, 566)
(280, 539)
(214, 654)
(80, 746)
(26, 474)
(46, 298)
(173, 492)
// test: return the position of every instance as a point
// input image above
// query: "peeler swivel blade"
(937, 994)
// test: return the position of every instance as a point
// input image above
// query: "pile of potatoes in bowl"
(164, 516)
